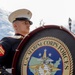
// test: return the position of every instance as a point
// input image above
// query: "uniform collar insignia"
(18, 36)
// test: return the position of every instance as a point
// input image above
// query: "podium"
(47, 50)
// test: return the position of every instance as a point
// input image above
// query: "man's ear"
(15, 25)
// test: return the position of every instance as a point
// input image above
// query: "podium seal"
(47, 56)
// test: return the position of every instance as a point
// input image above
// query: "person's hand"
(4, 72)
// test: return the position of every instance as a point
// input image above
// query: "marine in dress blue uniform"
(8, 45)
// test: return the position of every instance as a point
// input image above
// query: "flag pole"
(70, 23)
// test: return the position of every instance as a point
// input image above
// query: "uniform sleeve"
(5, 47)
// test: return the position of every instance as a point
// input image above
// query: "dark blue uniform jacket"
(9, 45)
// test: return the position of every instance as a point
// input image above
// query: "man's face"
(23, 27)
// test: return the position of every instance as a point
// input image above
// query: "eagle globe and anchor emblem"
(47, 56)
(45, 67)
